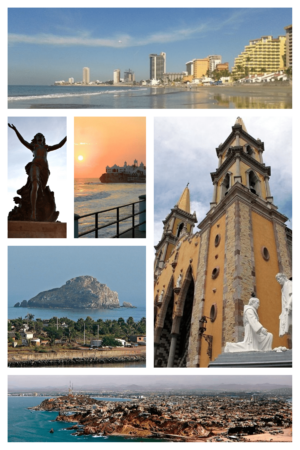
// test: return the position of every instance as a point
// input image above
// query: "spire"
(184, 201)
(239, 121)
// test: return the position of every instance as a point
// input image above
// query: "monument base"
(19, 229)
(253, 359)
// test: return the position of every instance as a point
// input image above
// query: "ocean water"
(90, 195)
(68, 97)
(34, 426)
(136, 365)
(73, 314)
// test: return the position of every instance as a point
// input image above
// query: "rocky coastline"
(77, 361)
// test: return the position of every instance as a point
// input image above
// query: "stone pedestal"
(253, 359)
(19, 229)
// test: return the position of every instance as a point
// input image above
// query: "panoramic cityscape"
(146, 65)
(156, 408)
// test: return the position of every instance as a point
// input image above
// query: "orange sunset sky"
(105, 141)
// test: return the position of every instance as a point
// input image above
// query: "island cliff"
(80, 292)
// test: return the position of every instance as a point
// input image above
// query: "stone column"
(260, 156)
(172, 350)
(238, 178)
(214, 199)
(154, 350)
(237, 139)
(220, 160)
(268, 192)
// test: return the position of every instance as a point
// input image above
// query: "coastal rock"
(23, 304)
(128, 305)
(80, 292)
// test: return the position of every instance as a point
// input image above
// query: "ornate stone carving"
(285, 318)
(179, 280)
(256, 337)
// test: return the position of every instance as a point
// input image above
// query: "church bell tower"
(203, 281)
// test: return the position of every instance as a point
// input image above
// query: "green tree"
(130, 321)
(109, 341)
(53, 334)
(17, 336)
(29, 316)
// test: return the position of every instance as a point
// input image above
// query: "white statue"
(285, 318)
(160, 298)
(256, 337)
(179, 280)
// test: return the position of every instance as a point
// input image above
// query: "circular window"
(217, 240)
(213, 312)
(265, 253)
(215, 273)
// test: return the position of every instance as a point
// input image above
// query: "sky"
(54, 129)
(95, 381)
(37, 269)
(51, 44)
(193, 141)
(105, 141)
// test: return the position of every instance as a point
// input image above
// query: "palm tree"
(29, 316)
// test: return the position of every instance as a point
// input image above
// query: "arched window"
(179, 229)
(253, 183)
(225, 185)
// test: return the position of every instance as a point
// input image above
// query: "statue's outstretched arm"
(55, 147)
(20, 137)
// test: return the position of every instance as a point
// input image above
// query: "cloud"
(123, 41)
(185, 152)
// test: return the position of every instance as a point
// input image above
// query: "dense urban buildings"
(289, 46)
(173, 76)
(86, 75)
(265, 54)
(157, 66)
(129, 76)
(117, 74)
(222, 66)
(213, 61)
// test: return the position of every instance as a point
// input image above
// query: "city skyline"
(43, 46)
(143, 380)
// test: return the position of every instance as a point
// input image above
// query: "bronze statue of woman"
(38, 174)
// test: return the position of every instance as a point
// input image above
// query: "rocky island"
(175, 417)
(80, 292)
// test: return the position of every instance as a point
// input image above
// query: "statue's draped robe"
(254, 339)
(285, 318)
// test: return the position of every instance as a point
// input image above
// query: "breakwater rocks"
(77, 361)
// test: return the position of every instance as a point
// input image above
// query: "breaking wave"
(51, 96)
(97, 196)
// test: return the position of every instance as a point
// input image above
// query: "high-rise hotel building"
(265, 54)
(289, 45)
(157, 66)
(86, 75)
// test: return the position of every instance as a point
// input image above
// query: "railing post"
(76, 225)
(133, 220)
(96, 225)
(142, 217)
(118, 219)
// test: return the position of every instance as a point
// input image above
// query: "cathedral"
(203, 280)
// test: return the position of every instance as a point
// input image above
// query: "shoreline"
(77, 361)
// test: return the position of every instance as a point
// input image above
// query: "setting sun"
(80, 158)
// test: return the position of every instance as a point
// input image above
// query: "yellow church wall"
(268, 290)
(188, 250)
(169, 251)
(177, 222)
(211, 297)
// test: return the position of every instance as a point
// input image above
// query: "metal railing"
(116, 222)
